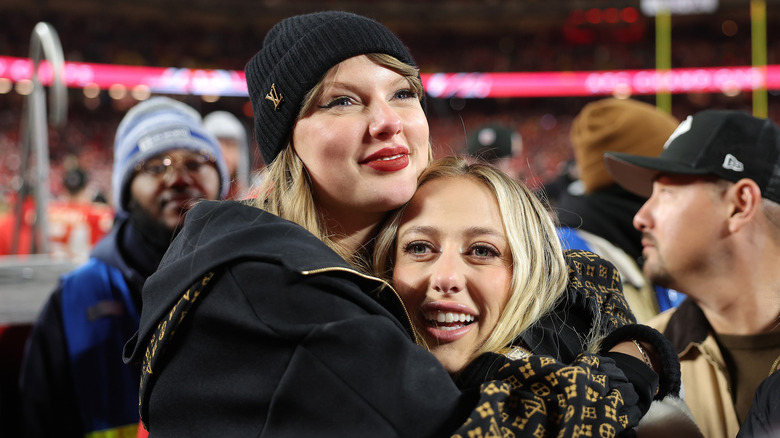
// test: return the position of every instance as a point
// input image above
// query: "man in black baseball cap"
(729, 144)
(711, 229)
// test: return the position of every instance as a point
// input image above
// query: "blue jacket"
(73, 380)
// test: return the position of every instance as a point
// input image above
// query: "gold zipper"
(775, 365)
(369, 277)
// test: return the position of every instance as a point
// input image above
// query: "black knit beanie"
(296, 53)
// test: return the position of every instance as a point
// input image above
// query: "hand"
(630, 348)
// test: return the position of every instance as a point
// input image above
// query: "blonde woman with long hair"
(531, 258)
(476, 260)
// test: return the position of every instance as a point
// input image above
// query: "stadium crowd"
(543, 123)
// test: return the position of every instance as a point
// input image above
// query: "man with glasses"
(73, 381)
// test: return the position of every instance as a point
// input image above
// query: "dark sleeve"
(669, 379)
(295, 356)
(48, 400)
(642, 378)
(594, 293)
(357, 355)
(763, 420)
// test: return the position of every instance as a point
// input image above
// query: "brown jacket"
(705, 378)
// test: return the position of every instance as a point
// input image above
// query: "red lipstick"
(388, 159)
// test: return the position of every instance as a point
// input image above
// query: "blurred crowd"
(543, 123)
(566, 46)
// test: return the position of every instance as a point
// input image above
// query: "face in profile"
(167, 185)
(365, 142)
(676, 237)
(453, 266)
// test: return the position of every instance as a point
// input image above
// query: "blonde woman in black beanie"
(338, 193)
(261, 324)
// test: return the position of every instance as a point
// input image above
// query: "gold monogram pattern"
(600, 283)
(554, 400)
(275, 97)
(537, 396)
(164, 333)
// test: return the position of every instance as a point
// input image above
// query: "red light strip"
(465, 85)
(159, 79)
(629, 82)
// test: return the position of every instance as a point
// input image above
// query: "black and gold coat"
(253, 327)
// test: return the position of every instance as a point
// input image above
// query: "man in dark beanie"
(73, 382)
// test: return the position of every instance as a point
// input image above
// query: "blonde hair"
(285, 189)
(539, 270)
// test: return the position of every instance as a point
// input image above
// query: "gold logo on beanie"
(275, 97)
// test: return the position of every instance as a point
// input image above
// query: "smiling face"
(453, 266)
(179, 178)
(365, 141)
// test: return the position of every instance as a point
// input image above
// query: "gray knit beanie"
(223, 124)
(296, 53)
(155, 126)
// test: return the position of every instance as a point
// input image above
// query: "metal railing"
(44, 44)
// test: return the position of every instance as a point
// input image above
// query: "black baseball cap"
(491, 142)
(725, 143)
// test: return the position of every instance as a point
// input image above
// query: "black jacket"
(277, 336)
(763, 419)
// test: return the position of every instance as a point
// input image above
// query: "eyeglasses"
(192, 163)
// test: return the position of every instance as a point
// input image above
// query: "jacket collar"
(124, 249)
(687, 325)
(216, 233)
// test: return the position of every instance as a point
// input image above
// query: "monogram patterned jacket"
(253, 327)
(592, 315)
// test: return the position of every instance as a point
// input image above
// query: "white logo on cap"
(486, 136)
(731, 163)
(151, 140)
(684, 127)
